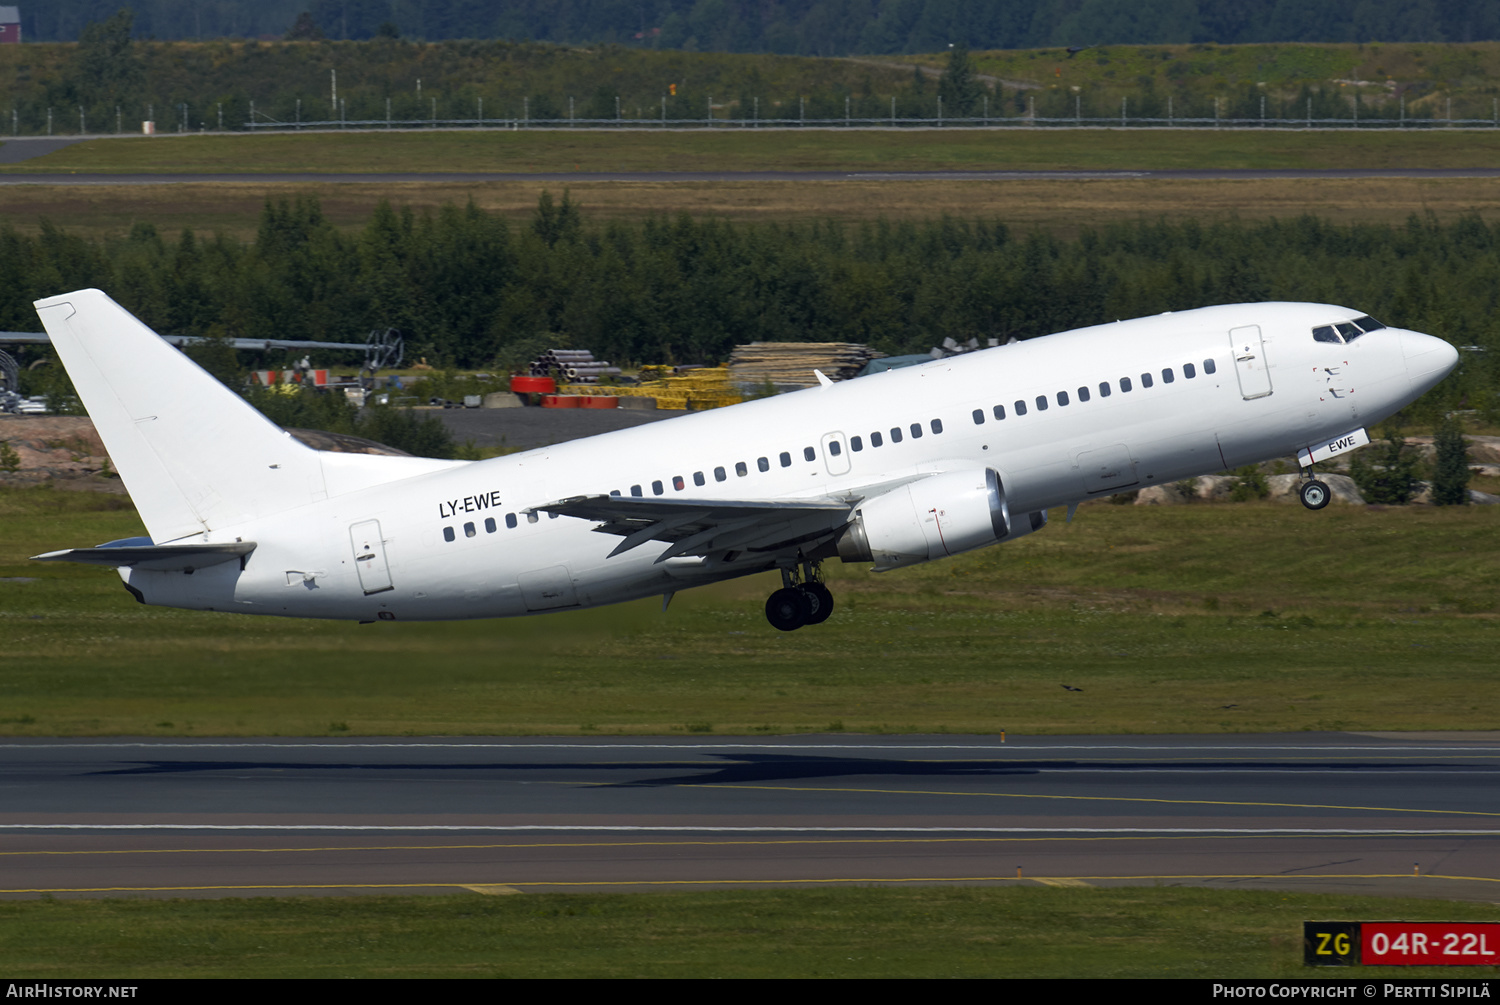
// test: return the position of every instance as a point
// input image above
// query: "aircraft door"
(369, 557)
(836, 453)
(1250, 361)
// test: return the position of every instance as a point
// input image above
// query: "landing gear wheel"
(821, 602)
(788, 609)
(1315, 494)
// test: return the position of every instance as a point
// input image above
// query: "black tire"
(1315, 494)
(821, 602)
(788, 610)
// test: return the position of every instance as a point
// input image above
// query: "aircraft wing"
(707, 527)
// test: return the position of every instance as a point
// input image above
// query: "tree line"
(807, 27)
(473, 291)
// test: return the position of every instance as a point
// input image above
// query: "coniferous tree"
(1450, 474)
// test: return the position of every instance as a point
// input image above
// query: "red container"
(600, 401)
(533, 385)
(560, 400)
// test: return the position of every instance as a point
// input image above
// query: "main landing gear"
(798, 603)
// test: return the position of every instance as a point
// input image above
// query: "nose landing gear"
(1315, 494)
(802, 600)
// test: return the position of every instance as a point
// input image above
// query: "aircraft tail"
(194, 455)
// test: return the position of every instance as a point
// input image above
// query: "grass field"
(1062, 207)
(872, 932)
(1349, 619)
(771, 150)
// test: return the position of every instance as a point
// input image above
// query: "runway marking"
(1102, 799)
(1059, 881)
(1020, 838)
(493, 891)
(730, 882)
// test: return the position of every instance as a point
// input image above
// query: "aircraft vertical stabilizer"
(194, 455)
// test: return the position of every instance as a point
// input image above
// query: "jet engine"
(937, 516)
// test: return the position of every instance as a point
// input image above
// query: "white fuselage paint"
(308, 561)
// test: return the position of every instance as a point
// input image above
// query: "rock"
(1160, 495)
(503, 399)
(1482, 498)
(1343, 488)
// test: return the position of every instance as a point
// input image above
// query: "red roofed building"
(10, 24)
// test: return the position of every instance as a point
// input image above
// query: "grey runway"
(333, 817)
(730, 177)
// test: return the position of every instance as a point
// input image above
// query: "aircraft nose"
(1428, 359)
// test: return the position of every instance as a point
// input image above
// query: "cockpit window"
(1325, 333)
(1349, 331)
(1368, 323)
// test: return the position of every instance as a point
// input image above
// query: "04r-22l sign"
(1401, 943)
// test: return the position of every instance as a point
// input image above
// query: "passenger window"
(1041, 403)
(1125, 384)
(510, 519)
(1189, 371)
(1167, 376)
(1020, 408)
(658, 488)
(740, 469)
(1083, 394)
(1062, 398)
(978, 416)
(1325, 333)
(469, 530)
(678, 483)
(786, 459)
(553, 516)
(764, 464)
(635, 490)
(531, 517)
(937, 426)
(1208, 366)
(809, 454)
(720, 474)
(876, 440)
(489, 525)
(916, 430)
(895, 434)
(614, 492)
(448, 534)
(856, 444)
(834, 448)
(1146, 380)
(698, 478)
(1104, 389)
(999, 411)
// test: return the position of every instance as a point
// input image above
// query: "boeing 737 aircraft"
(893, 469)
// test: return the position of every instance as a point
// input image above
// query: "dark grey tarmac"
(1383, 814)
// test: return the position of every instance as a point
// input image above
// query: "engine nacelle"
(932, 518)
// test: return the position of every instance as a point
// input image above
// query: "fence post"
(1169, 110)
(846, 110)
(1122, 111)
(940, 111)
(1309, 113)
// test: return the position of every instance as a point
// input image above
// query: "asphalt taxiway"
(1403, 815)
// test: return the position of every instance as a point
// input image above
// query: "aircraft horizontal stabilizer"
(153, 557)
(704, 527)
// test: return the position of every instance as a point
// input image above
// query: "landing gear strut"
(802, 599)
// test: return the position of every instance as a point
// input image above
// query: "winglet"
(822, 379)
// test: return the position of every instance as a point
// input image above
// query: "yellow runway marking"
(493, 891)
(1102, 799)
(729, 882)
(1060, 881)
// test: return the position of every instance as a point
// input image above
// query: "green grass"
(917, 932)
(1354, 619)
(780, 150)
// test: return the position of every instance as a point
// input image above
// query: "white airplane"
(895, 468)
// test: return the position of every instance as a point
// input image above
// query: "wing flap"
(704, 526)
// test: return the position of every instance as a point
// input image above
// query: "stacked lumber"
(792, 363)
